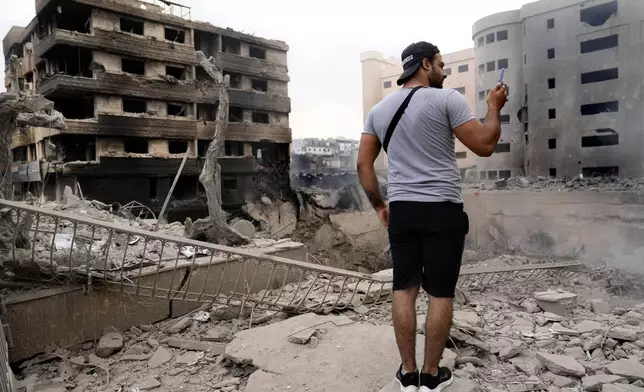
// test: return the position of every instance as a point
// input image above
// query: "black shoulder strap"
(396, 118)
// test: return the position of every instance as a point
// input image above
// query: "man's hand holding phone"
(499, 94)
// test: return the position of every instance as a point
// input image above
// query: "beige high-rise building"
(379, 75)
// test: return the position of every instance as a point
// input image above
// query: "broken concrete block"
(593, 343)
(600, 307)
(529, 365)
(531, 306)
(109, 344)
(194, 345)
(576, 342)
(302, 336)
(226, 383)
(562, 365)
(559, 381)
(553, 317)
(179, 326)
(594, 383)
(621, 388)
(148, 385)
(512, 350)
(217, 334)
(160, 357)
(587, 326)
(575, 352)
(54, 387)
(245, 228)
(628, 368)
(468, 318)
(134, 357)
(190, 358)
(561, 330)
(559, 303)
(623, 333)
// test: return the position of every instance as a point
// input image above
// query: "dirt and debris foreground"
(550, 334)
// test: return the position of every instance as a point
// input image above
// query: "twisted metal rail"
(63, 248)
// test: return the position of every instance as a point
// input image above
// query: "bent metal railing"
(57, 247)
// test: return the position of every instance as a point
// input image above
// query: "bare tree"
(215, 228)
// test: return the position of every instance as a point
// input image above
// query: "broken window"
(77, 147)
(482, 175)
(551, 53)
(489, 38)
(186, 188)
(503, 63)
(207, 43)
(235, 114)
(551, 24)
(491, 66)
(152, 188)
(552, 113)
(260, 117)
(552, 83)
(481, 95)
(598, 108)
(20, 154)
(611, 139)
(207, 111)
(177, 146)
(132, 26)
(502, 35)
(552, 172)
(135, 146)
(234, 149)
(73, 61)
(480, 42)
(505, 174)
(492, 175)
(75, 108)
(604, 171)
(599, 14)
(261, 85)
(235, 80)
(175, 35)
(552, 144)
(594, 45)
(230, 184)
(387, 84)
(133, 66)
(75, 18)
(502, 147)
(460, 90)
(257, 53)
(177, 72)
(600, 76)
(461, 154)
(505, 119)
(463, 68)
(231, 45)
(134, 106)
(202, 148)
(177, 109)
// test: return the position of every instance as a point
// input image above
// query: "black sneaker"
(437, 383)
(408, 382)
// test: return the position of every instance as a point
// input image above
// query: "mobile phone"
(502, 74)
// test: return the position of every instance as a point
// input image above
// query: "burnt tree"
(215, 228)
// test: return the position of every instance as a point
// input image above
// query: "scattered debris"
(109, 344)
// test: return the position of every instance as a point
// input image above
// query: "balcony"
(247, 132)
(252, 67)
(130, 126)
(251, 100)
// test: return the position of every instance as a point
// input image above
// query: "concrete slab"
(352, 357)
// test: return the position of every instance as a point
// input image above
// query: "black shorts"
(427, 242)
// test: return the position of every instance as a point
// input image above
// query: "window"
(503, 63)
(460, 90)
(502, 35)
(177, 146)
(599, 14)
(387, 84)
(552, 113)
(597, 108)
(482, 175)
(481, 95)
(489, 38)
(600, 140)
(505, 174)
(551, 53)
(134, 106)
(175, 35)
(230, 184)
(480, 42)
(257, 53)
(152, 188)
(600, 76)
(448, 71)
(552, 172)
(594, 45)
(177, 109)
(463, 68)
(552, 83)
(133, 66)
(235, 114)
(461, 154)
(604, 171)
(481, 68)
(552, 144)
(551, 24)
(234, 149)
(177, 72)
(231, 45)
(502, 147)
(491, 66)
(135, 146)
(260, 117)
(259, 85)
(492, 175)
(131, 26)
(505, 119)
(235, 80)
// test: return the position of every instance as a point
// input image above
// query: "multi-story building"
(125, 76)
(575, 76)
(379, 75)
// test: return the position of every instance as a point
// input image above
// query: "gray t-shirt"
(422, 161)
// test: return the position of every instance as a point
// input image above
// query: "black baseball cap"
(412, 57)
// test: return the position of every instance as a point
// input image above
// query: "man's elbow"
(363, 166)
(485, 151)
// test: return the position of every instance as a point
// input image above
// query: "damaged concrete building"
(125, 76)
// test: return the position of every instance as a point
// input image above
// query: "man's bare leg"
(437, 325)
(404, 318)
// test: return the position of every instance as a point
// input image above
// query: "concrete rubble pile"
(593, 184)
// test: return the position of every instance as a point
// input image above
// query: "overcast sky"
(326, 39)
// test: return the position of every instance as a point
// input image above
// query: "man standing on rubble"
(425, 217)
